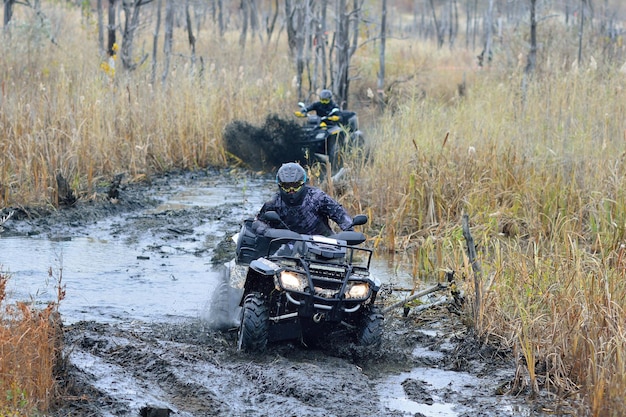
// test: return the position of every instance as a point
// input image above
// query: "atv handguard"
(265, 267)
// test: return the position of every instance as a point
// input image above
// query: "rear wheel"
(335, 154)
(370, 333)
(254, 326)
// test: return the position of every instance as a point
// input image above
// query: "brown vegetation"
(538, 164)
(31, 341)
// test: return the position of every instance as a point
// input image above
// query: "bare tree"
(190, 36)
(344, 48)
(8, 12)
(381, 71)
(270, 23)
(35, 5)
(580, 32)
(111, 29)
(253, 15)
(321, 42)
(290, 15)
(217, 15)
(249, 19)
(245, 11)
(131, 24)
(454, 22)
(100, 14)
(532, 54)
(307, 36)
(169, 35)
(155, 41)
(485, 55)
(438, 28)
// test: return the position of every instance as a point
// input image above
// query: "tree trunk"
(297, 21)
(131, 23)
(100, 13)
(381, 70)
(155, 41)
(169, 35)
(8, 12)
(340, 80)
(323, 43)
(580, 32)
(291, 28)
(191, 37)
(111, 29)
(220, 17)
(253, 14)
(475, 25)
(308, 33)
(454, 22)
(532, 54)
(485, 55)
(271, 23)
(244, 23)
(438, 30)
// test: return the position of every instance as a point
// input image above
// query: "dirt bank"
(429, 365)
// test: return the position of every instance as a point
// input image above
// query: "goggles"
(291, 187)
(325, 101)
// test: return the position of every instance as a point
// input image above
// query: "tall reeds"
(31, 340)
(542, 177)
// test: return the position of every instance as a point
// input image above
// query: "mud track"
(185, 368)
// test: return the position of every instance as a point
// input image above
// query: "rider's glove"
(259, 227)
(333, 118)
(299, 114)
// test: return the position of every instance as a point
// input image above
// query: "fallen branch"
(5, 218)
(438, 287)
(420, 308)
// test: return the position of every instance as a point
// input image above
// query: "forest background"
(511, 112)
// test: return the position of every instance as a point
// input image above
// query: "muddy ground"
(186, 368)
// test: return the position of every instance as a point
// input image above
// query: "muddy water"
(108, 280)
(155, 267)
(110, 277)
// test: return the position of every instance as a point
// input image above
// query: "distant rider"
(324, 107)
(302, 208)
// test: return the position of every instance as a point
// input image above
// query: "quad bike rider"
(300, 280)
(329, 130)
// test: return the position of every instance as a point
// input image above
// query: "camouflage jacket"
(311, 216)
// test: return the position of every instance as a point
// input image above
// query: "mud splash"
(139, 277)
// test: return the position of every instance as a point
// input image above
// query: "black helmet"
(291, 178)
(325, 96)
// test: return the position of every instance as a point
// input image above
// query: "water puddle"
(433, 392)
(107, 280)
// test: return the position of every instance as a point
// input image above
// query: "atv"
(325, 138)
(302, 287)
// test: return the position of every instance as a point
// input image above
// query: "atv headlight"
(292, 281)
(358, 291)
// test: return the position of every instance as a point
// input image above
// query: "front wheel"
(254, 325)
(370, 332)
(334, 152)
(222, 311)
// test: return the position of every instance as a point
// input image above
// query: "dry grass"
(31, 340)
(541, 173)
(539, 169)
